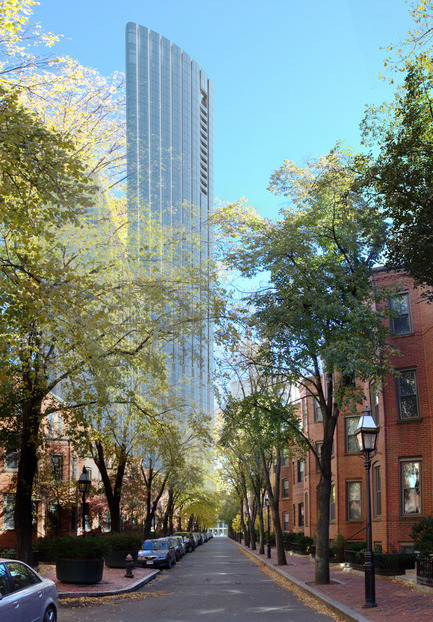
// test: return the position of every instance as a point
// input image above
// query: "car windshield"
(154, 545)
(160, 545)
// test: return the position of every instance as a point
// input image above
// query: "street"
(215, 583)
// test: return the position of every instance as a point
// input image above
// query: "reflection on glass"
(411, 487)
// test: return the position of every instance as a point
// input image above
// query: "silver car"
(26, 596)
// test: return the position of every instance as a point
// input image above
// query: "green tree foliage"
(80, 315)
(399, 179)
(422, 535)
(316, 321)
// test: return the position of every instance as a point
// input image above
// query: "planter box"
(79, 571)
(117, 559)
(424, 571)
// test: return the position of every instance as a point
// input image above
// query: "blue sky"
(291, 78)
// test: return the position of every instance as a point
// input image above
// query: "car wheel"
(168, 565)
(50, 615)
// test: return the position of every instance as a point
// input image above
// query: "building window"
(319, 455)
(301, 515)
(332, 504)
(374, 402)
(352, 445)
(8, 512)
(74, 468)
(294, 515)
(11, 461)
(377, 492)
(286, 521)
(400, 314)
(410, 487)
(301, 471)
(51, 425)
(354, 500)
(317, 410)
(304, 413)
(59, 426)
(285, 488)
(57, 467)
(406, 548)
(407, 395)
(285, 457)
(306, 509)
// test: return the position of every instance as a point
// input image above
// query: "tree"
(37, 194)
(399, 179)
(317, 320)
(76, 316)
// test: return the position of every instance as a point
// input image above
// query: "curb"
(336, 607)
(133, 587)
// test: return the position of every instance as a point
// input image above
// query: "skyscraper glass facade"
(169, 103)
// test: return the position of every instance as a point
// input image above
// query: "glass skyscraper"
(169, 103)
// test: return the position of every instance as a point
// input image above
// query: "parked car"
(183, 545)
(25, 594)
(188, 539)
(158, 553)
(178, 547)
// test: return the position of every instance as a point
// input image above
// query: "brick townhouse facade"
(56, 504)
(402, 469)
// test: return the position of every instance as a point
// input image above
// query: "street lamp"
(268, 505)
(84, 487)
(367, 432)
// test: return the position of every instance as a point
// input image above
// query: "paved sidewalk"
(113, 582)
(346, 593)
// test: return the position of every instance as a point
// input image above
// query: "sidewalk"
(345, 595)
(113, 582)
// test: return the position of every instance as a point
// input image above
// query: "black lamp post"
(84, 487)
(367, 432)
(268, 505)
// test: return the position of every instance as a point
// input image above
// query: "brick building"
(401, 471)
(57, 507)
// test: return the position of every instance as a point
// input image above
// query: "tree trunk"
(167, 525)
(243, 526)
(261, 529)
(324, 495)
(113, 493)
(27, 467)
(274, 498)
(322, 532)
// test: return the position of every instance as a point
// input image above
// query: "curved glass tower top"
(169, 103)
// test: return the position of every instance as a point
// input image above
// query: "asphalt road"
(216, 583)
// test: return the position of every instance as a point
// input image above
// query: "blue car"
(158, 553)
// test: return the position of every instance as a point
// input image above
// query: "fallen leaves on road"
(309, 601)
(105, 600)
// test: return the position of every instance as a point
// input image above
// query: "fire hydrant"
(129, 566)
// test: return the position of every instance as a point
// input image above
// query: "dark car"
(158, 553)
(178, 547)
(25, 594)
(183, 545)
(188, 539)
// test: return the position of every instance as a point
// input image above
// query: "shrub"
(289, 536)
(337, 547)
(68, 547)
(304, 541)
(356, 546)
(422, 535)
(123, 541)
